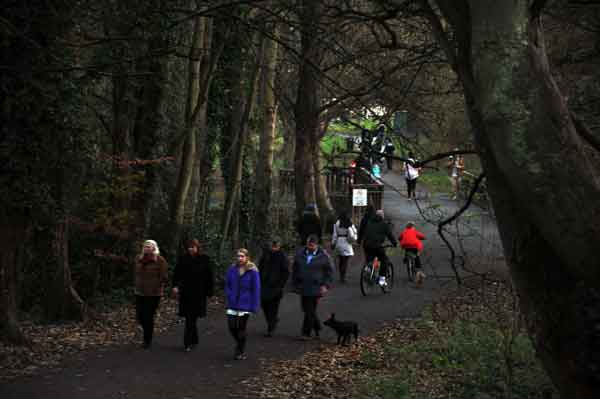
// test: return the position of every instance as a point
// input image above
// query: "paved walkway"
(165, 371)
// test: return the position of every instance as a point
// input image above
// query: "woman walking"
(150, 279)
(193, 283)
(242, 292)
(344, 234)
(274, 273)
(411, 174)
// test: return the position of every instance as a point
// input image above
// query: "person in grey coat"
(312, 275)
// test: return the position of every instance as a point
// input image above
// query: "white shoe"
(382, 282)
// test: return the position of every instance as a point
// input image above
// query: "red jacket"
(411, 238)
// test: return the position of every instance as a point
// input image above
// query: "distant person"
(376, 232)
(411, 174)
(344, 234)
(150, 280)
(456, 167)
(309, 224)
(376, 171)
(312, 275)
(274, 273)
(193, 284)
(389, 151)
(242, 294)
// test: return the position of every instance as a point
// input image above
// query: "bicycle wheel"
(389, 276)
(410, 268)
(368, 285)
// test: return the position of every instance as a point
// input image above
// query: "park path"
(166, 372)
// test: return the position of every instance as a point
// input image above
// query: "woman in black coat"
(274, 273)
(193, 283)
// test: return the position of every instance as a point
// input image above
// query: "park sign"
(359, 197)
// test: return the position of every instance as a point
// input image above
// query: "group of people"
(247, 287)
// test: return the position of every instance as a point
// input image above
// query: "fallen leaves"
(49, 345)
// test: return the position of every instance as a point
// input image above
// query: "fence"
(341, 181)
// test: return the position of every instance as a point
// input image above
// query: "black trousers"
(311, 320)
(237, 328)
(343, 267)
(379, 253)
(390, 162)
(145, 307)
(411, 186)
(270, 308)
(190, 335)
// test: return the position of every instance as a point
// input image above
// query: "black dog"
(344, 329)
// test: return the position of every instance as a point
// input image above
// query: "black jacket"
(376, 231)
(274, 274)
(194, 278)
(362, 227)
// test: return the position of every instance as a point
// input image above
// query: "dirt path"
(166, 371)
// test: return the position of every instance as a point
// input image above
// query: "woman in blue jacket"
(242, 292)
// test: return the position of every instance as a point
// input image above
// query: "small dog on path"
(420, 278)
(344, 329)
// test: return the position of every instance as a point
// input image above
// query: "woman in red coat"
(411, 240)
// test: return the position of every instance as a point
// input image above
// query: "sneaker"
(240, 356)
(268, 334)
(187, 349)
(382, 282)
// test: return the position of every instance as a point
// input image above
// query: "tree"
(542, 176)
(264, 164)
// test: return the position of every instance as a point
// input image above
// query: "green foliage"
(384, 388)
(471, 354)
(436, 180)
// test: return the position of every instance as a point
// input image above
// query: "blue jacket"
(242, 292)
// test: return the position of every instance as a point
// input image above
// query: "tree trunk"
(196, 181)
(307, 103)
(203, 57)
(62, 301)
(13, 233)
(240, 116)
(264, 167)
(321, 193)
(544, 186)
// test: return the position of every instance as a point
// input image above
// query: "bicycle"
(369, 276)
(409, 261)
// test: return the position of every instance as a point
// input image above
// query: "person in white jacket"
(344, 234)
(411, 174)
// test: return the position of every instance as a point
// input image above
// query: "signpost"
(359, 197)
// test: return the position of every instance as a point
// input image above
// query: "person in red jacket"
(411, 240)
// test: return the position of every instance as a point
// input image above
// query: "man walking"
(312, 276)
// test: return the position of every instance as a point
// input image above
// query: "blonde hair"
(244, 252)
(154, 244)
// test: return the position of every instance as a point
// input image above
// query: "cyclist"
(410, 241)
(376, 231)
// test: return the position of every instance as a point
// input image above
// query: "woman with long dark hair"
(344, 234)
(193, 284)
